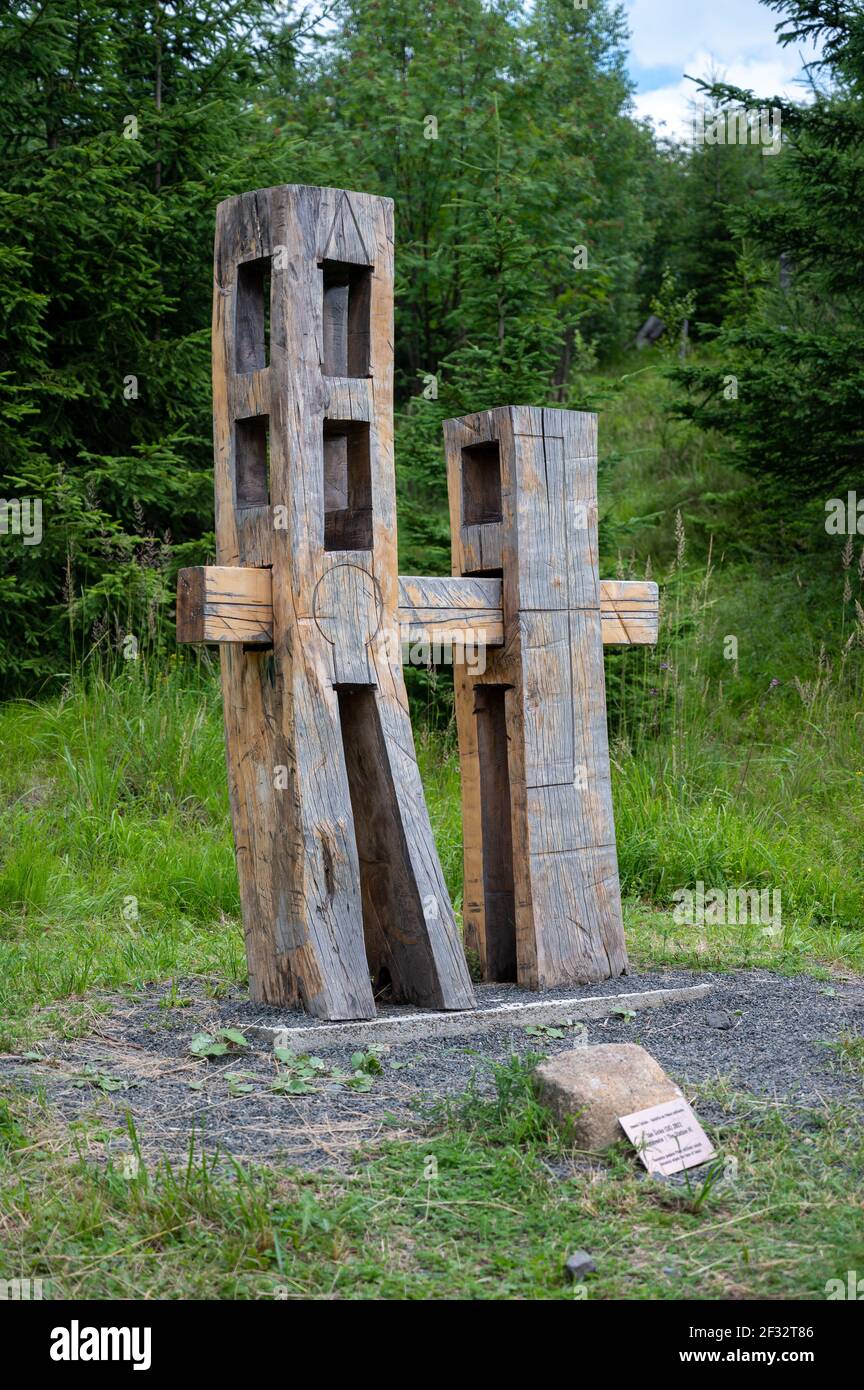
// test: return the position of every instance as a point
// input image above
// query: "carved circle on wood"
(347, 605)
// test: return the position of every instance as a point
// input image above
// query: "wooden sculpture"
(341, 887)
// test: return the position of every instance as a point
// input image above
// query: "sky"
(734, 39)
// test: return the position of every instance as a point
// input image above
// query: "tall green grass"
(738, 741)
(117, 862)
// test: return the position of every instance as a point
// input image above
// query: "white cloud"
(671, 105)
(670, 31)
(732, 41)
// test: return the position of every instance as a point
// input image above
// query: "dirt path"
(765, 1034)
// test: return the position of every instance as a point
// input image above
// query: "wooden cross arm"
(225, 603)
(230, 603)
(471, 608)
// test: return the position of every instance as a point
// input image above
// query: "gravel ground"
(765, 1034)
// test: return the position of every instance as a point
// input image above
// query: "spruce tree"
(121, 127)
(792, 346)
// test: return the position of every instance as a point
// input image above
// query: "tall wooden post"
(532, 726)
(339, 877)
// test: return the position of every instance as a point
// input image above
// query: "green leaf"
(360, 1081)
(101, 1080)
(368, 1062)
(299, 1086)
(205, 1045)
(236, 1087)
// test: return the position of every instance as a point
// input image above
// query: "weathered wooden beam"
(445, 610)
(541, 901)
(341, 887)
(230, 603)
(225, 603)
(629, 612)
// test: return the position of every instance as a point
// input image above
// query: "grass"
(738, 758)
(118, 865)
(849, 1053)
(486, 1204)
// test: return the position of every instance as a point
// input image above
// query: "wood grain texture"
(568, 923)
(332, 679)
(223, 603)
(431, 611)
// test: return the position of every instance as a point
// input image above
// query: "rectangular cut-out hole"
(481, 484)
(498, 893)
(252, 316)
(252, 461)
(347, 486)
(347, 293)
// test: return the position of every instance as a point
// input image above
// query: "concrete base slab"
(303, 1035)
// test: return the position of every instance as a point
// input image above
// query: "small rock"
(579, 1264)
(592, 1086)
(718, 1018)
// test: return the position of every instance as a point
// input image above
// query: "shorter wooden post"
(542, 901)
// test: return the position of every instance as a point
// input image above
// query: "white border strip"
(420, 1026)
